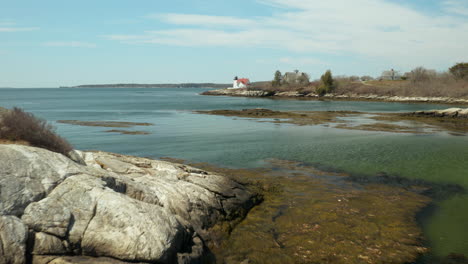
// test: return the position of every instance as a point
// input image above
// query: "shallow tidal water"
(242, 143)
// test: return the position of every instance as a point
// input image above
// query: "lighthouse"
(240, 83)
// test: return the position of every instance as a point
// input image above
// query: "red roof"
(244, 81)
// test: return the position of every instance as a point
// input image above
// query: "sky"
(51, 43)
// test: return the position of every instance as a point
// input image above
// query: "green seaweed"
(311, 216)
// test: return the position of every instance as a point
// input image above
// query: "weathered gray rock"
(48, 244)
(13, 236)
(49, 219)
(106, 223)
(76, 157)
(126, 208)
(29, 174)
(191, 194)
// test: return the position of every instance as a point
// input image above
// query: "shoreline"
(334, 97)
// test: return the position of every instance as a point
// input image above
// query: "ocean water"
(242, 143)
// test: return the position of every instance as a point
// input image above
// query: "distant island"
(161, 85)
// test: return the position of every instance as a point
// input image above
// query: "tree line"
(328, 84)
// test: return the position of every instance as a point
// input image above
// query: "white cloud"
(456, 7)
(17, 29)
(202, 20)
(71, 44)
(376, 29)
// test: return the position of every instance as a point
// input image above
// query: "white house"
(295, 77)
(390, 75)
(240, 83)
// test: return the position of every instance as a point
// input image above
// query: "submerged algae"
(310, 216)
(385, 127)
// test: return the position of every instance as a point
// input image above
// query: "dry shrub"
(420, 82)
(440, 85)
(17, 125)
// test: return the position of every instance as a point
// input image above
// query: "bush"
(421, 74)
(17, 125)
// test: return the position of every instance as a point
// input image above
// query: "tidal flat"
(386, 122)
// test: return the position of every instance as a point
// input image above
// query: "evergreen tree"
(277, 79)
(327, 83)
(459, 70)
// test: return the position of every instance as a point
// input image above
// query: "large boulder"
(103, 222)
(113, 209)
(29, 174)
(193, 195)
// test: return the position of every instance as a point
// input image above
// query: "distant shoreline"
(161, 85)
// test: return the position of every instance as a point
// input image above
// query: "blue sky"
(49, 43)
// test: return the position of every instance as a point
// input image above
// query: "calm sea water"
(242, 143)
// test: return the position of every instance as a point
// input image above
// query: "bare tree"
(421, 74)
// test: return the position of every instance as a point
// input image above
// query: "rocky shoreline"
(109, 208)
(314, 96)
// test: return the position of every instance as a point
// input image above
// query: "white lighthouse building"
(240, 83)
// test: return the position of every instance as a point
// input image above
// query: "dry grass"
(440, 86)
(18, 142)
(21, 127)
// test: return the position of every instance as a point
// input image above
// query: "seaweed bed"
(127, 132)
(312, 216)
(452, 124)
